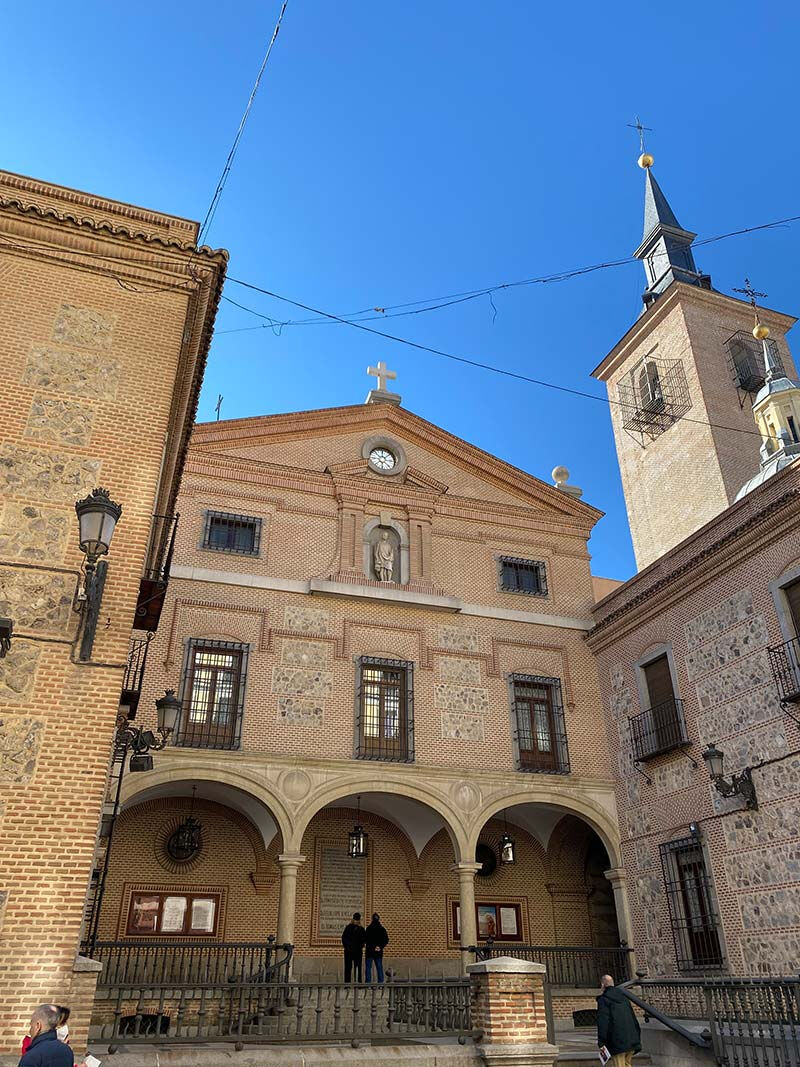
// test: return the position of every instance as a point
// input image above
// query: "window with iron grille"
(522, 576)
(240, 534)
(540, 736)
(212, 695)
(746, 360)
(692, 907)
(384, 710)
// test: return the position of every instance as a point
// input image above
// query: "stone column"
(289, 864)
(508, 1005)
(466, 898)
(618, 877)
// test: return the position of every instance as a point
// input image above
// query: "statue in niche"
(383, 558)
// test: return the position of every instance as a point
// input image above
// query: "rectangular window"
(212, 695)
(522, 576)
(539, 727)
(660, 727)
(695, 925)
(385, 723)
(240, 534)
(171, 914)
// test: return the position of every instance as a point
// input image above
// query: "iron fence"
(580, 966)
(785, 663)
(278, 1011)
(134, 672)
(746, 360)
(139, 963)
(658, 729)
(752, 1022)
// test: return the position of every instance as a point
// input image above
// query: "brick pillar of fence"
(508, 1006)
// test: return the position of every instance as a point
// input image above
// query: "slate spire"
(666, 248)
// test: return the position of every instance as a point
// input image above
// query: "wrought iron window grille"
(653, 396)
(658, 729)
(212, 695)
(384, 727)
(746, 362)
(539, 727)
(525, 576)
(237, 534)
(692, 906)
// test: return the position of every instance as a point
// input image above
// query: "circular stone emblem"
(382, 459)
(296, 784)
(465, 796)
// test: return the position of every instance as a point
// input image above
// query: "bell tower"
(682, 382)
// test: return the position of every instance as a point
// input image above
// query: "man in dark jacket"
(353, 937)
(617, 1028)
(45, 1050)
(377, 940)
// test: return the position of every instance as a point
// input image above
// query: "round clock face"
(382, 459)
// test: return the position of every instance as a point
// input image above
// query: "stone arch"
(382, 823)
(245, 793)
(329, 794)
(402, 533)
(569, 845)
(599, 819)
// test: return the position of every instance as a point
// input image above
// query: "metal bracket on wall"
(91, 609)
(637, 768)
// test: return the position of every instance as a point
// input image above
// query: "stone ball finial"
(645, 161)
(760, 331)
(560, 475)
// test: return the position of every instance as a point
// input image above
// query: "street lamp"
(739, 785)
(97, 519)
(142, 741)
(506, 848)
(357, 838)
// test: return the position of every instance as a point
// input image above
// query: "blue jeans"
(378, 961)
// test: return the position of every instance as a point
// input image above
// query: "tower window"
(793, 428)
(746, 361)
(653, 395)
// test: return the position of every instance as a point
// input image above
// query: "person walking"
(353, 937)
(376, 941)
(45, 1049)
(617, 1027)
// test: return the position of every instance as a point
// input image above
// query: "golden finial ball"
(760, 331)
(645, 160)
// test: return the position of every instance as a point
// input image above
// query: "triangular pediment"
(329, 443)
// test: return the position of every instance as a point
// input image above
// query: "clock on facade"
(382, 459)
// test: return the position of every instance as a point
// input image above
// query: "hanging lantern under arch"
(357, 839)
(507, 849)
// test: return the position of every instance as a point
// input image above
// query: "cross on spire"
(383, 374)
(640, 128)
(750, 293)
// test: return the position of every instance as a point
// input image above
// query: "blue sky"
(403, 151)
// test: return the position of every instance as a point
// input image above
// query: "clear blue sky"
(399, 151)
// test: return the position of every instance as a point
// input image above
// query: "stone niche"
(393, 534)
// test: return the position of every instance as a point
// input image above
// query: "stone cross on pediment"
(383, 374)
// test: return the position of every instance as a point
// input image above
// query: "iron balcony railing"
(134, 672)
(751, 1022)
(580, 966)
(142, 962)
(153, 584)
(785, 663)
(658, 729)
(282, 1012)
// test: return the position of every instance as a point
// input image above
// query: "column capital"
(288, 860)
(616, 874)
(466, 869)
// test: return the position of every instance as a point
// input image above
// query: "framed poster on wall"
(495, 920)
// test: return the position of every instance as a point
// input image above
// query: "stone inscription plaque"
(342, 890)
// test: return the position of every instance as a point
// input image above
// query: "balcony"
(785, 663)
(658, 729)
(132, 679)
(153, 584)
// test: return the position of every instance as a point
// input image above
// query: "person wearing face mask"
(45, 1049)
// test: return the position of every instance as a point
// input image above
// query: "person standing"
(618, 1029)
(353, 937)
(45, 1049)
(376, 941)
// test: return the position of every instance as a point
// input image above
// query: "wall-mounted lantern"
(141, 741)
(6, 630)
(97, 519)
(739, 785)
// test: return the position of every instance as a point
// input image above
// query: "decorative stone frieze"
(61, 370)
(739, 677)
(771, 909)
(746, 711)
(640, 822)
(746, 829)
(18, 672)
(458, 638)
(734, 644)
(644, 856)
(63, 422)
(650, 890)
(37, 600)
(454, 669)
(53, 476)
(673, 776)
(295, 712)
(462, 726)
(83, 326)
(659, 959)
(721, 617)
(306, 620)
(775, 865)
(20, 741)
(300, 682)
(771, 955)
(461, 698)
(304, 653)
(33, 534)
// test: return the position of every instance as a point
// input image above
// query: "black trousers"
(352, 962)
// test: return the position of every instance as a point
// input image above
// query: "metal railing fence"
(139, 963)
(580, 966)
